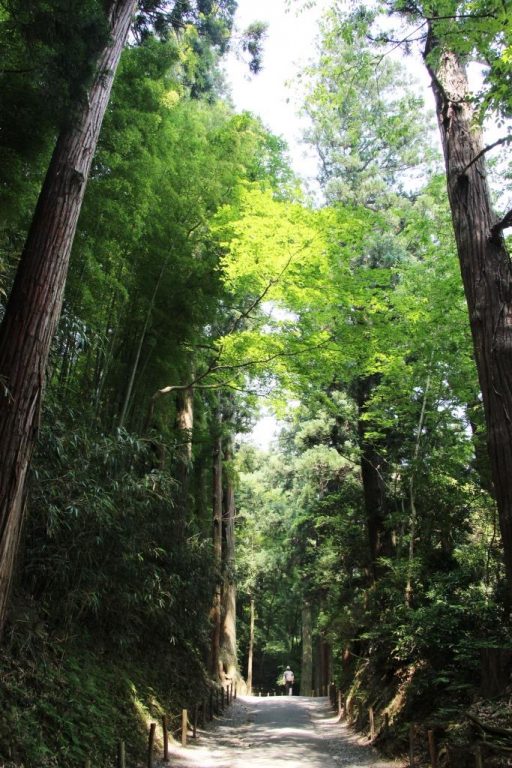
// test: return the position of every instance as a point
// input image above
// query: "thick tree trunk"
(228, 651)
(413, 516)
(476, 418)
(250, 652)
(36, 298)
(306, 671)
(217, 555)
(183, 463)
(325, 664)
(486, 270)
(374, 486)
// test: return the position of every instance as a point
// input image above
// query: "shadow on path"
(291, 731)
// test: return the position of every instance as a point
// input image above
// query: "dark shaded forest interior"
(166, 281)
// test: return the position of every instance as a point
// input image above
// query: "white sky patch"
(265, 431)
(289, 46)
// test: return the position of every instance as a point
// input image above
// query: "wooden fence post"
(478, 758)
(184, 724)
(211, 706)
(371, 718)
(411, 745)
(121, 755)
(151, 741)
(217, 696)
(166, 738)
(432, 748)
(222, 697)
(194, 723)
(235, 691)
(340, 703)
(87, 763)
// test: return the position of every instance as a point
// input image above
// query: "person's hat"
(287, 667)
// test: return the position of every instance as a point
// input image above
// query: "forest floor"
(292, 731)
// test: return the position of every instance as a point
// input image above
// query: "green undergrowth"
(65, 702)
(430, 700)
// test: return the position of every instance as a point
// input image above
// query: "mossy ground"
(64, 703)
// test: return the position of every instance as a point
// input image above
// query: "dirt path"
(291, 731)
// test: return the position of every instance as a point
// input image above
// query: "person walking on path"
(289, 678)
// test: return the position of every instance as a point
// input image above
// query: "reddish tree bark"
(228, 648)
(485, 266)
(250, 652)
(217, 553)
(374, 486)
(183, 460)
(36, 299)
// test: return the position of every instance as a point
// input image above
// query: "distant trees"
(379, 435)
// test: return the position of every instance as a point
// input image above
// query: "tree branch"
(505, 222)
(195, 383)
(503, 140)
(245, 314)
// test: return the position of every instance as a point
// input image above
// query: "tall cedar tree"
(36, 298)
(485, 266)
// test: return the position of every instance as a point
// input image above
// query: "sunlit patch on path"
(295, 732)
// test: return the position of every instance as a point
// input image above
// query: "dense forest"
(164, 279)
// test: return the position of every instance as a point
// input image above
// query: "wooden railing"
(355, 713)
(182, 725)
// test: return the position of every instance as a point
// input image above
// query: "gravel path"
(291, 731)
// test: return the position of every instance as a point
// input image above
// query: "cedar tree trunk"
(228, 652)
(250, 653)
(217, 555)
(306, 672)
(486, 270)
(35, 302)
(374, 486)
(183, 463)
